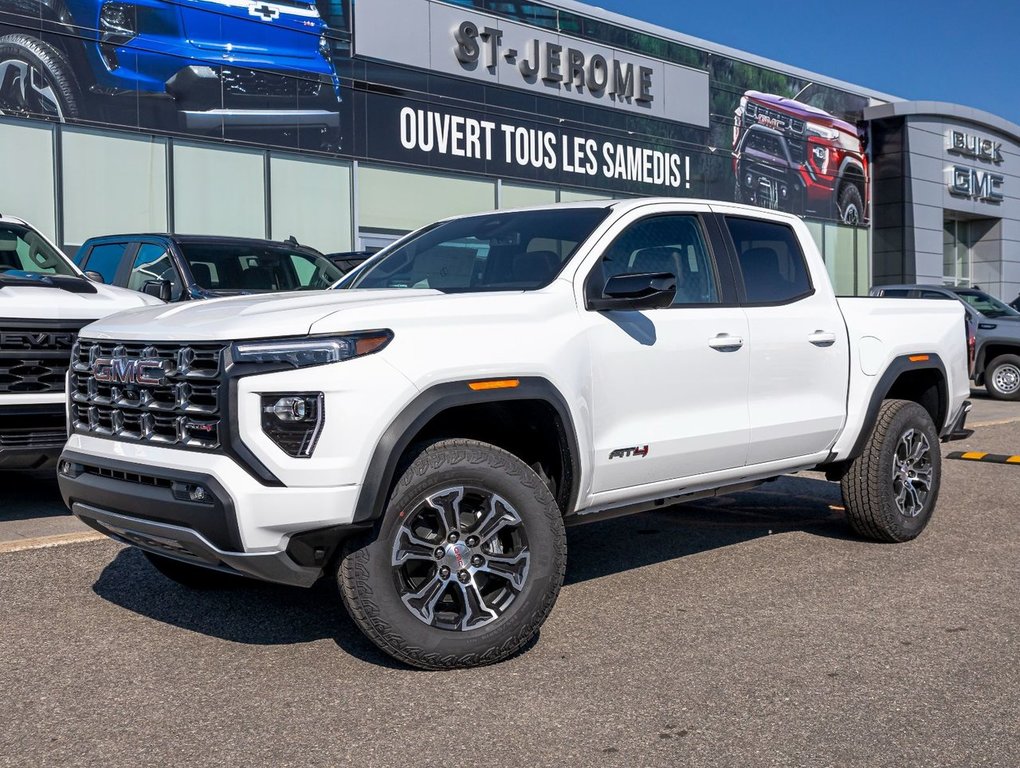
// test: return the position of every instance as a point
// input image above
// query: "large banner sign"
(529, 91)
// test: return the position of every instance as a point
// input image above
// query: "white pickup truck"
(424, 433)
(44, 300)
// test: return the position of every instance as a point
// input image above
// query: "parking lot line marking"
(42, 542)
(985, 458)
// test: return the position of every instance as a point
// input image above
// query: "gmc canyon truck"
(424, 435)
(44, 301)
(792, 156)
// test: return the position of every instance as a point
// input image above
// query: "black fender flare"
(441, 397)
(898, 366)
(845, 173)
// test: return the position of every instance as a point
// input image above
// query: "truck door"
(799, 352)
(669, 385)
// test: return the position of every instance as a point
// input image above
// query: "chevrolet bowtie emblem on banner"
(264, 10)
(146, 372)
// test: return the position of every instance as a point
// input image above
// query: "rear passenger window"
(771, 261)
(105, 259)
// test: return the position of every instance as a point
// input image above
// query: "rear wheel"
(465, 564)
(36, 80)
(891, 488)
(1002, 377)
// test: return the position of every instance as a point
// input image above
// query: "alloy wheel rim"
(1007, 379)
(851, 215)
(26, 90)
(460, 558)
(912, 472)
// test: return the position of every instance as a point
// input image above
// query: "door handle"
(822, 338)
(726, 343)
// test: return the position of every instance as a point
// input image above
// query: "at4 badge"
(623, 453)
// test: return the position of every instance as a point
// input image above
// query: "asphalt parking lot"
(752, 630)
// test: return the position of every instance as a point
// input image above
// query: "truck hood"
(53, 301)
(250, 317)
(801, 110)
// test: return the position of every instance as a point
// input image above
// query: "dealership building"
(346, 124)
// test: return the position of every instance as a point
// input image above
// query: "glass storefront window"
(956, 244)
(311, 200)
(400, 201)
(219, 191)
(26, 157)
(522, 196)
(112, 184)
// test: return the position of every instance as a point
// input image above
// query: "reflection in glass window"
(255, 267)
(511, 251)
(666, 244)
(105, 259)
(154, 263)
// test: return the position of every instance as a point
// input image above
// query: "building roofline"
(944, 110)
(722, 50)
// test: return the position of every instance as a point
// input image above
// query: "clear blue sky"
(964, 52)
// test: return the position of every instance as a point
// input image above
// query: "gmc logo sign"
(146, 372)
(33, 340)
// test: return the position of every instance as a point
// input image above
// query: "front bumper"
(31, 436)
(215, 98)
(272, 533)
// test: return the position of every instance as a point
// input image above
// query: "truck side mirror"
(94, 276)
(158, 288)
(646, 290)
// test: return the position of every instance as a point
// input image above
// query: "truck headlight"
(294, 421)
(309, 351)
(830, 134)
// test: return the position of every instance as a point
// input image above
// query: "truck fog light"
(198, 493)
(294, 421)
(290, 409)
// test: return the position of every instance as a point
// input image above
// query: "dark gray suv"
(996, 327)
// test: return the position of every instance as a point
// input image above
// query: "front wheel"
(890, 490)
(36, 80)
(1002, 377)
(851, 205)
(466, 563)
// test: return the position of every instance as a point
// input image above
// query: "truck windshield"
(512, 251)
(245, 267)
(22, 250)
(986, 305)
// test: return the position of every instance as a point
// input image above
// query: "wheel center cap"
(457, 556)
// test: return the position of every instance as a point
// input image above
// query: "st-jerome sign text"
(572, 68)
(495, 51)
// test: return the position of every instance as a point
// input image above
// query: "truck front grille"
(177, 406)
(773, 118)
(34, 356)
(251, 82)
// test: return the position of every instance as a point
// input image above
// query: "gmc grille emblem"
(144, 371)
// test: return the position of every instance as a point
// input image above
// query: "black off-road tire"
(1007, 385)
(869, 486)
(369, 586)
(191, 576)
(851, 205)
(53, 65)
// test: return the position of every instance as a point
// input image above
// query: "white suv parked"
(44, 301)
